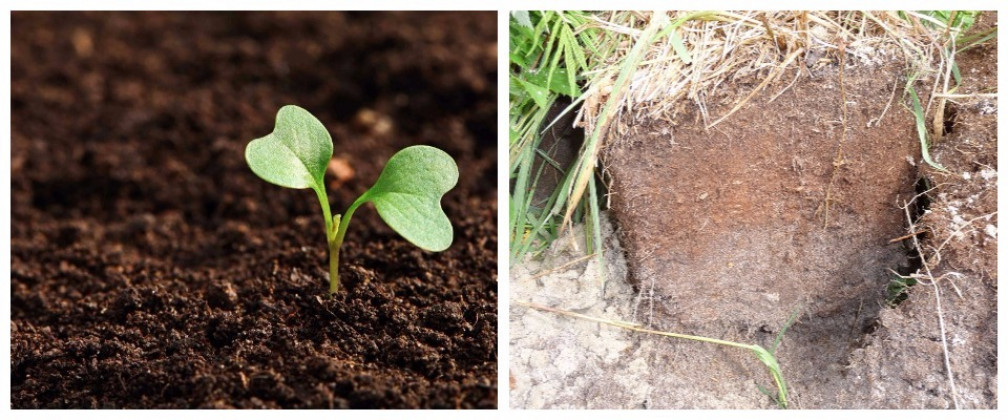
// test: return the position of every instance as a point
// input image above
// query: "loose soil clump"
(151, 268)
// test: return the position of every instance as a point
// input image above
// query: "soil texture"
(771, 213)
(778, 209)
(772, 210)
(150, 268)
(903, 363)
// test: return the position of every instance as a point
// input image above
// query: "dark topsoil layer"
(151, 268)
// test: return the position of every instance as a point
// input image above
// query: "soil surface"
(151, 268)
(726, 235)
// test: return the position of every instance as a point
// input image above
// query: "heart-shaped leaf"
(295, 154)
(408, 195)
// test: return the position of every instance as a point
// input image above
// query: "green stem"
(330, 229)
(334, 260)
(326, 213)
(336, 240)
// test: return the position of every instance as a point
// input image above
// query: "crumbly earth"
(150, 268)
(848, 348)
(903, 362)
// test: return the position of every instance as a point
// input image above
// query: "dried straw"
(713, 50)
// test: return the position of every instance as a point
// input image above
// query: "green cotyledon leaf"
(295, 154)
(408, 195)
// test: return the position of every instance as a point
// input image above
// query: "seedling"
(407, 194)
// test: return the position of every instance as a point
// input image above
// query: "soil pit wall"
(773, 209)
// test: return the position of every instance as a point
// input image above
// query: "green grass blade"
(594, 216)
(977, 39)
(677, 43)
(518, 202)
(780, 335)
(918, 112)
(576, 56)
(770, 362)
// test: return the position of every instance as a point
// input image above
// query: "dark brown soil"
(151, 268)
(738, 212)
(727, 228)
(727, 233)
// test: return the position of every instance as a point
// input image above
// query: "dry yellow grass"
(689, 56)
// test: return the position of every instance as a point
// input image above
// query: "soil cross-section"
(786, 205)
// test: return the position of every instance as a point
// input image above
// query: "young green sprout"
(407, 194)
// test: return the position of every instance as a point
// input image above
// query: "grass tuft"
(548, 53)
